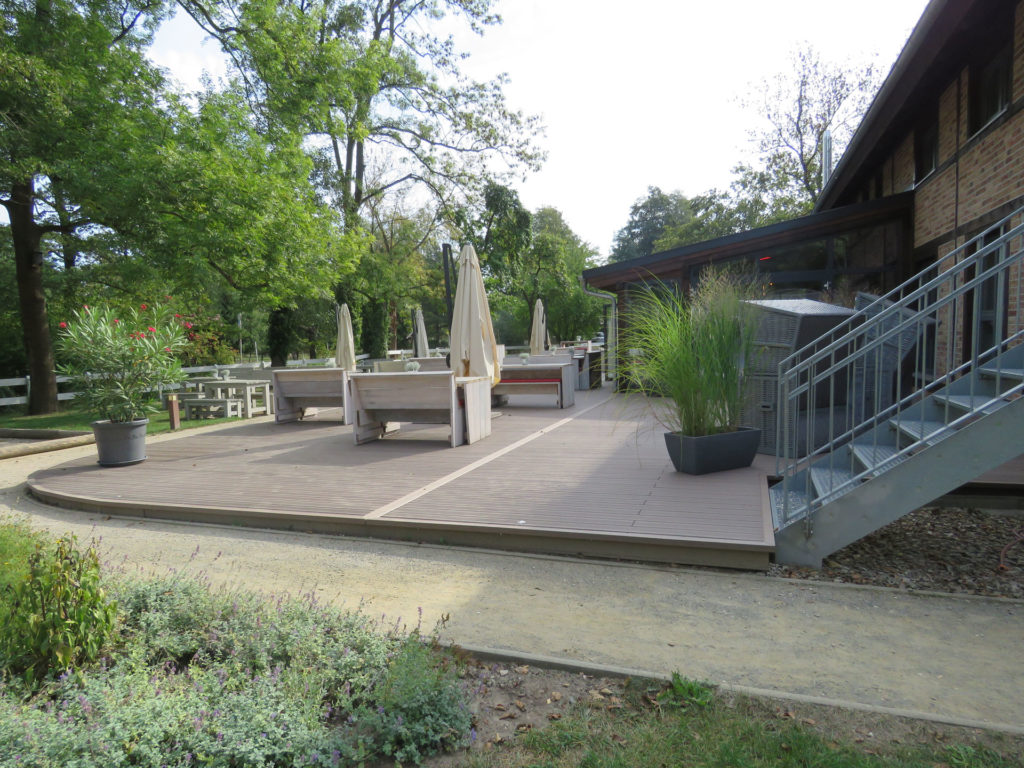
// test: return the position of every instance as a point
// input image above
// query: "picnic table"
(253, 393)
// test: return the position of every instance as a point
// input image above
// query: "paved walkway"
(955, 659)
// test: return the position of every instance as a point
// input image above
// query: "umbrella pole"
(446, 257)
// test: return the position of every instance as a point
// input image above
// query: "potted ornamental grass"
(118, 360)
(687, 356)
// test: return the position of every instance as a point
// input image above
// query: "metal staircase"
(913, 396)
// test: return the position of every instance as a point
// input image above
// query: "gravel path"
(933, 549)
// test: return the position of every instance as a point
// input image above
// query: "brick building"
(938, 158)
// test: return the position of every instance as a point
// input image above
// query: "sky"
(634, 94)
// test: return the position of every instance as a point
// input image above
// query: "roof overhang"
(937, 49)
(733, 246)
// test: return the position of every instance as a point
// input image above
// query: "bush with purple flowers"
(227, 678)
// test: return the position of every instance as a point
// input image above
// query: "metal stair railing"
(884, 365)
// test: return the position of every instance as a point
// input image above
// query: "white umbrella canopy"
(345, 356)
(474, 351)
(539, 330)
(422, 346)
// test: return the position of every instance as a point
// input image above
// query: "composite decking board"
(602, 476)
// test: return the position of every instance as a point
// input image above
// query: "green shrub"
(230, 678)
(17, 542)
(420, 708)
(59, 616)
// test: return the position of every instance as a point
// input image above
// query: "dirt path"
(957, 659)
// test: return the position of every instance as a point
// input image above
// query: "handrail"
(890, 362)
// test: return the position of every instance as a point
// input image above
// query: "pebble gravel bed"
(939, 549)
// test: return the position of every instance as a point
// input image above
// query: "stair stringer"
(934, 471)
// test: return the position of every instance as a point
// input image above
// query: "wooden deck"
(592, 480)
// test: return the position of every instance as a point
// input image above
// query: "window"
(926, 149)
(989, 89)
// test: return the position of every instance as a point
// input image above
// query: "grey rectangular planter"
(712, 453)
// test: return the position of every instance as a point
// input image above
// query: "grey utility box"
(784, 327)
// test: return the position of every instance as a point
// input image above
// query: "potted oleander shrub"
(687, 357)
(118, 359)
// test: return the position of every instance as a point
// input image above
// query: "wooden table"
(249, 391)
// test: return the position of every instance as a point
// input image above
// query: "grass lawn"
(70, 417)
(685, 725)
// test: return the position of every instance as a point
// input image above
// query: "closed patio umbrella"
(345, 356)
(539, 330)
(421, 346)
(474, 351)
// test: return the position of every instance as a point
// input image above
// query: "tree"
(649, 217)
(369, 75)
(75, 93)
(798, 107)
(528, 257)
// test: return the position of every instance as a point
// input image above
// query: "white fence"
(214, 369)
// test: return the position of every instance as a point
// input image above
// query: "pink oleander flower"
(151, 329)
(142, 306)
(62, 324)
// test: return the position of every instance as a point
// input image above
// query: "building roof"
(732, 246)
(936, 51)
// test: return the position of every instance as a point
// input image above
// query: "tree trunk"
(35, 325)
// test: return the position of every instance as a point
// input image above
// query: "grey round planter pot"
(120, 443)
(712, 453)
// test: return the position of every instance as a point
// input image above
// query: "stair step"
(1007, 373)
(878, 458)
(919, 430)
(827, 479)
(972, 403)
(798, 504)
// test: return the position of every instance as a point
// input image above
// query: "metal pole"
(446, 256)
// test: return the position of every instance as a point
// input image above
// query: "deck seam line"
(423, 491)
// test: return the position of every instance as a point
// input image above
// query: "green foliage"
(207, 341)
(731, 732)
(117, 358)
(689, 356)
(230, 678)
(681, 692)
(420, 707)
(374, 340)
(17, 543)
(60, 617)
(649, 218)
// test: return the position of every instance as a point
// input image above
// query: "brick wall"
(980, 174)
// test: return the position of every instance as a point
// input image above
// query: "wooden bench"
(212, 407)
(539, 378)
(375, 404)
(299, 391)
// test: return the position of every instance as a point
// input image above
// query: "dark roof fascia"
(940, 22)
(802, 228)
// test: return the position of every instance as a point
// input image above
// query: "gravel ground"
(933, 549)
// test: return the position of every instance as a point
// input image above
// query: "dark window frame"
(989, 88)
(926, 149)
